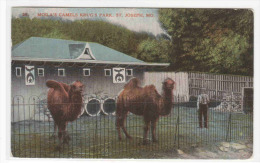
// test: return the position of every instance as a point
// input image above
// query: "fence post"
(229, 123)
(13, 127)
(176, 135)
(178, 121)
(18, 104)
(216, 88)
(34, 127)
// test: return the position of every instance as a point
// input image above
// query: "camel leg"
(60, 136)
(146, 129)
(123, 125)
(66, 134)
(118, 127)
(119, 118)
(154, 121)
(55, 129)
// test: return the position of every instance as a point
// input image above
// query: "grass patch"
(96, 137)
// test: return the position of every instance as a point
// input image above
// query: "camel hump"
(133, 83)
(65, 86)
(53, 84)
(152, 87)
(151, 90)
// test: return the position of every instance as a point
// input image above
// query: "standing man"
(202, 106)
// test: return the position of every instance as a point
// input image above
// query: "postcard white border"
(6, 52)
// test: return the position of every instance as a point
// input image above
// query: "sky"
(138, 24)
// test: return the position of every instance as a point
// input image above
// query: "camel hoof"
(66, 140)
(155, 141)
(58, 148)
(145, 142)
(53, 136)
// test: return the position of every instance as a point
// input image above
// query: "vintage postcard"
(173, 83)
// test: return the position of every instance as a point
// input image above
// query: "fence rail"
(180, 78)
(96, 136)
(218, 85)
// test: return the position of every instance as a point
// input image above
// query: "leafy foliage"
(113, 36)
(152, 50)
(205, 40)
(210, 40)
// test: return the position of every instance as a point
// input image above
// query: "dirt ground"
(97, 137)
(222, 150)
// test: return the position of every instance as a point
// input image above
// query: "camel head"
(168, 84)
(76, 87)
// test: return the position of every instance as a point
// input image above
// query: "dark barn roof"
(58, 50)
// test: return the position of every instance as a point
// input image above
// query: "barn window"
(87, 51)
(129, 72)
(18, 71)
(61, 72)
(86, 72)
(107, 72)
(40, 71)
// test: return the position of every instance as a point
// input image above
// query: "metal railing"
(94, 135)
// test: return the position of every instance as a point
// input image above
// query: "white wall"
(180, 78)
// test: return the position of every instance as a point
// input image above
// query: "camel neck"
(70, 96)
(76, 96)
(75, 105)
(167, 97)
(167, 94)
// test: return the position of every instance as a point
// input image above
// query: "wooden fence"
(181, 82)
(218, 85)
(190, 84)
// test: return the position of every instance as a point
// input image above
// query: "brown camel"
(146, 102)
(65, 104)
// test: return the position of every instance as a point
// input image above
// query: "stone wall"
(230, 103)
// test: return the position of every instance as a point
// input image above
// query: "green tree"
(210, 40)
(152, 50)
(113, 36)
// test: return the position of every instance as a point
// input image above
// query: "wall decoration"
(29, 75)
(118, 75)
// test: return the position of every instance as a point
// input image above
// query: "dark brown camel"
(146, 102)
(65, 104)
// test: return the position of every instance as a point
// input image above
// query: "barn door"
(248, 97)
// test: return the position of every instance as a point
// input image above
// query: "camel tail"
(133, 83)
